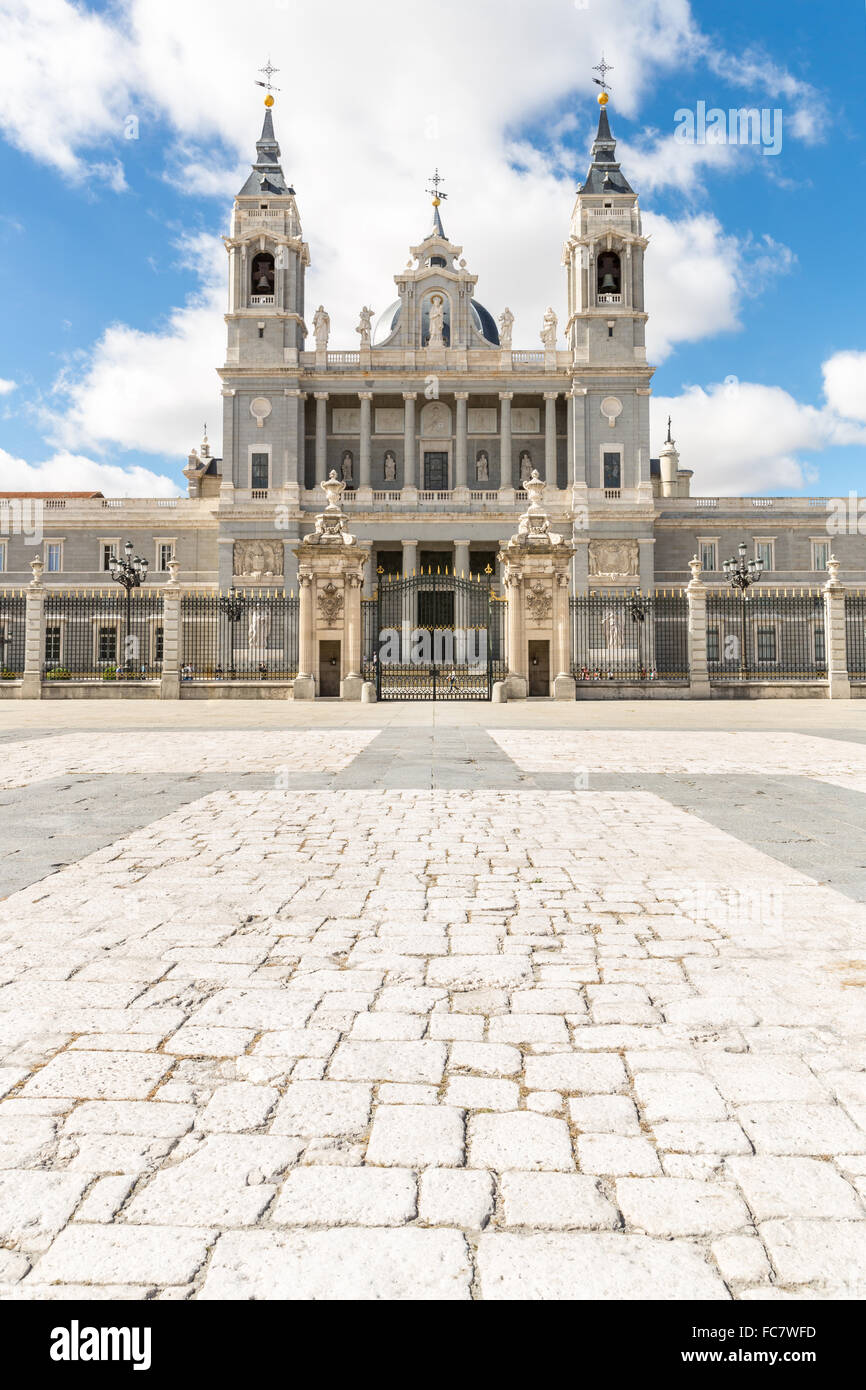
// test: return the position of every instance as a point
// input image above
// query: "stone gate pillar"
(331, 568)
(34, 634)
(535, 565)
(696, 594)
(835, 637)
(172, 625)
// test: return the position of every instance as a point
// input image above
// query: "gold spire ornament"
(604, 68)
(269, 71)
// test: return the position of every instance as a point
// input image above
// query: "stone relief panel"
(255, 558)
(525, 420)
(539, 602)
(614, 559)
(435, 420)
(346, 420)
(481, 420)
(389, 420)
(330, 601)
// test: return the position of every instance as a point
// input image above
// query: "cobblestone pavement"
(421, 1014)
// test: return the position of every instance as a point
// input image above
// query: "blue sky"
(111, 268)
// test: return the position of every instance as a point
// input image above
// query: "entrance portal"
(539, 668)
(329, 669)
(435, 472)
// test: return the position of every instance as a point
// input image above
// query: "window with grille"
(612, 471)
(820, 554)
(166, 553)
(52, 644)
(53, 557)
(107, 644)
(259, 471)
(158, 644)
(713, 646)
(764, 550)
(766, 644)
(708, 555)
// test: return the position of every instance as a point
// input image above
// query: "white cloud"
(150, 391)
(66, 472)
(744, 437)
(6, 386)
(845, 384)
(692, 285)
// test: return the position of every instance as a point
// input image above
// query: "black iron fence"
(434, 636)
(97, 634)
(13, 610)
(855, 634)
(242, 635)
(768, 635)
(621, 636)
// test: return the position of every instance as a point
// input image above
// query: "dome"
(386, 323)
(482, 321)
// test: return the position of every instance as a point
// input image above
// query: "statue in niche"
(321, 328)
(506, 323)
(346, 466)
(482, 467)
(437, 322)
(525, 467)
(548, 330)
(390, 466)
(365, 326)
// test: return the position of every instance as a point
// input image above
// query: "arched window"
(262, 275)
(609, 274)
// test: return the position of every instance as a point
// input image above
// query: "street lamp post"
(638, 608)
(743, 574)
(130, 573)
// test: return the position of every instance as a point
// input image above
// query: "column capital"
(506, 395)
(293, 391)
(321, 395)
(461, 395)
(410, 395)
(551, 395)
(365, 395)
(578, 391)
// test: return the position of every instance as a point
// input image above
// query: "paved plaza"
(534, 1001)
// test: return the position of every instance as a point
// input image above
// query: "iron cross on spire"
(269, 71)
(604, 68)
(436, 179)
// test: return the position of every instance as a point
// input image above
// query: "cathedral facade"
(434, 421)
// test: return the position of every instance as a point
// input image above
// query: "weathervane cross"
(269, 71)
(604, 68)
(436, 179)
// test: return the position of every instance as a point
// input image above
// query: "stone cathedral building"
(434, 420)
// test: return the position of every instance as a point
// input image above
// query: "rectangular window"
(766, 551)
(712, 644)
(53, 557)
(612, 471)
(107, 644)
(820, 555)
(165, 553)
(820, 648)
(2, 559)
(52, 643)
(158, 644)
(259, 471)
(107, 552)
(766, 644)
(708, 556)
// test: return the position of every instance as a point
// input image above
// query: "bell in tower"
(262, 278)
(608, 273)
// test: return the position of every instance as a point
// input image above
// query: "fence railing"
(13, 620)
(855, 634)
(96, 634)
(622, 636)
(768, 635)
(239, 636)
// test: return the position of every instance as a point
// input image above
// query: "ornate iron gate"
(434, 637)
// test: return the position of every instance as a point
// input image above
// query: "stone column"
(172, 620)
(835, 639)
(696, 592)
(550, 437)
(646, 563)
(506, 477)
(535, 566)
(364, 474)
(410, 472)
(34, 634)
(461, 558)
(460, 474)
(321, 434)
(407, 616)
(330, 576)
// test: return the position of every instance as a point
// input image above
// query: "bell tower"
(268, 257)
(606, 328)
